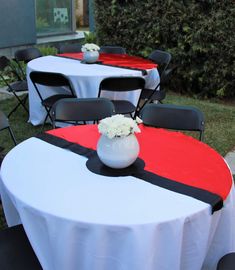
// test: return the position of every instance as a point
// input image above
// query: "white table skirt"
(79, 220)
(85, 79)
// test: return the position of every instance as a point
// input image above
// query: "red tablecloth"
(118, 60)
(169, 154)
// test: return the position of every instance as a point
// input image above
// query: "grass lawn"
(219, 133)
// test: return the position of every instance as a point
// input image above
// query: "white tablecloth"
(85, 79)
(79, 220)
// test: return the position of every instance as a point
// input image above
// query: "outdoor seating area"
(104, 165)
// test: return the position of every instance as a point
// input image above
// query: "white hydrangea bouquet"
(89, 47)
(118, 126)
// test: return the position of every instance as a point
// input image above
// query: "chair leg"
(48, 115)
(12, 135)
(20, 103)
(201, 136)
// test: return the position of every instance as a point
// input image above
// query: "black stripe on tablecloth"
(213, 199)
(144, 72)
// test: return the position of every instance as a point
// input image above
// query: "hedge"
(198, 33)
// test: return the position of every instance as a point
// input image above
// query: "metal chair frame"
(18, 86)
(149, 95)
(54, 80)
(163, 59)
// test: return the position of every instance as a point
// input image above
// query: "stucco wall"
(17, 23)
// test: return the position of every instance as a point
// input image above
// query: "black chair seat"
(123, 107)
(227, 262)
(49, 102)
(18, 86)
(16, 252)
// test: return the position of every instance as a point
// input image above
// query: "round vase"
(119, 152)
(90, 56)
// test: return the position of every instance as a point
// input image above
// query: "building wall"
(17, 23)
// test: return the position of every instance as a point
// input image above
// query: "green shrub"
(90, 37)
(48, 50)
(198, 33)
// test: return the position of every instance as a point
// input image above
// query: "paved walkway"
(229, 157)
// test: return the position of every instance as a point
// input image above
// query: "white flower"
(118, 126)
(90, 47)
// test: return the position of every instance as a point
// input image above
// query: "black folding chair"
(123, 84)
(112, 49)
(17, 87)
(77, 110)
(4, 124)
(23, 56)
(157, 94)
(173, 117)
(227, 262)
(51, 80)
(70, 48)
(16, 252)
(163, 59)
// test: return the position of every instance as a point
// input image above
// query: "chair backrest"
(227, 262)
(4, 62)
(81, 110)
(122, 84)
(70, 48)
(27, 55)
(162, 58)
(173, 117)
(50, 79)
(16, 252)
(112, 49)
(4, 124)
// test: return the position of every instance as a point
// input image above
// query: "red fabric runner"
(118, 60)
(169, 154)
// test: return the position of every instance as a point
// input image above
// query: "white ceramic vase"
(119, 152)
(90, 56)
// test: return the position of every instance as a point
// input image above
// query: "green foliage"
(198, 33)
(48, 50)
(90, 37)
(41, 23)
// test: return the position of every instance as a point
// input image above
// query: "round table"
(76, 219)
(85, 79)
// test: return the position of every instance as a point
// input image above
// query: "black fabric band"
(214, 200)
